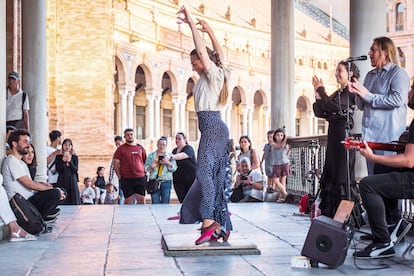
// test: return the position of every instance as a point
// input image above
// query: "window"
(140, 121)
(399, 17)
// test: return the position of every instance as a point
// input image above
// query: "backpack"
(27, 215)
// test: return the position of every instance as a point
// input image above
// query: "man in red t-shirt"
(129, 160)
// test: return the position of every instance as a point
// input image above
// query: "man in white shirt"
(17, 178)
(251, 181)
(17, 104)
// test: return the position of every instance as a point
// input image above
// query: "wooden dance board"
(182, 244)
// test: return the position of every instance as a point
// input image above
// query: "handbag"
(27, 215)
(152, 186)
(237, 194)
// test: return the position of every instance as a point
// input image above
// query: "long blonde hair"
(215, 57)
(386, 44)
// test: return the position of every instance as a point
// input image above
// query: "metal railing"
(307, 158)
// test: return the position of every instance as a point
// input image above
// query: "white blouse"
(207, 89)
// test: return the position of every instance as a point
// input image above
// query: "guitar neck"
(387, 146)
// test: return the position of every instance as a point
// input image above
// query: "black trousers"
(377, 188)
(46, 201)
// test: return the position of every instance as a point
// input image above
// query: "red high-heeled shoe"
(207, 233)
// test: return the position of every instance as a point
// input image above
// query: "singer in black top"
(337, 109)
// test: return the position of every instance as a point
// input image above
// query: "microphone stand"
(353, 223)
(347, 132)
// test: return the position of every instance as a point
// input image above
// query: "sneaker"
(50, 221)
(53, 214)
(376, 250)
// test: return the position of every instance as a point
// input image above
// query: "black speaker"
(327, 242)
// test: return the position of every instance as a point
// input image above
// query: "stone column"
(228, 116)
(362, 30)
(3, 75)
(34, 77)
(123, 94)
(131, 107)
(245, 118)
(282, 65)
(183, 118)
(176, 117)
(157, 110)
(250, 121)
(150, 116)
(266, 118)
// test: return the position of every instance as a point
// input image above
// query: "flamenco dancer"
(207, 198)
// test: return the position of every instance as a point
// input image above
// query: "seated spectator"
(9, 129)
(251, 181)
(7, 215)
(30, 160)
(87, 194)
(17, 179)
(111, 197)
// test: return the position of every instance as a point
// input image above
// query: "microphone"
(351, 59)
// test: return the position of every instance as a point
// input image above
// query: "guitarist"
(377, 188)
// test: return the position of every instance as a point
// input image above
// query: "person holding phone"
(338, 110)
(160, 166)
(67, 167)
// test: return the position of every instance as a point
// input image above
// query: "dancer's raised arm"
(198, 41)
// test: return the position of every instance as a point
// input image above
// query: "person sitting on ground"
(30, 160)
(251, 181)
(17, 179)
(9, 219)
(111, 197)
(9, 129)
(87, 194)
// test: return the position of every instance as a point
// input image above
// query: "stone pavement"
(126, 240)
